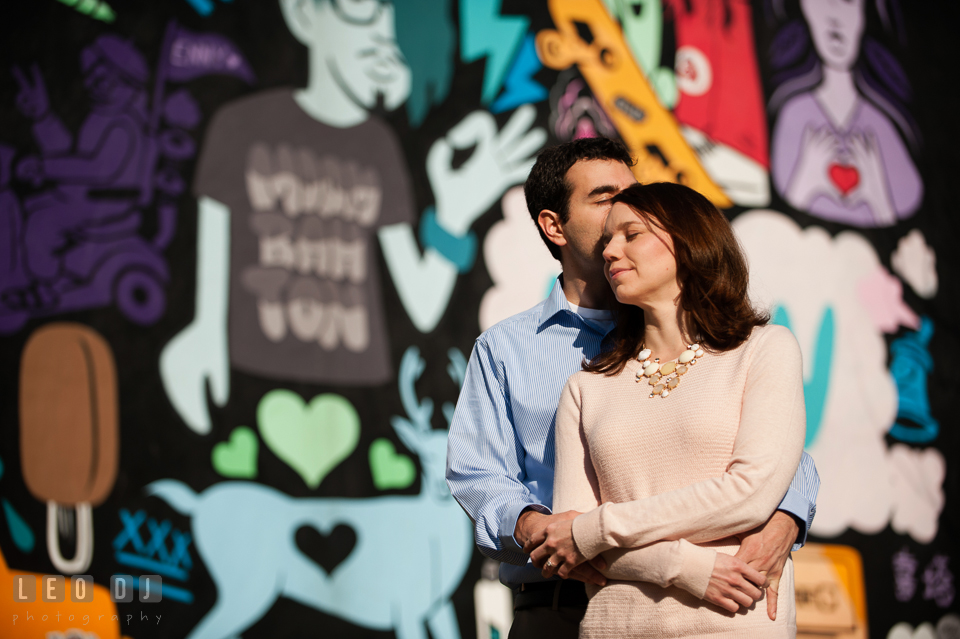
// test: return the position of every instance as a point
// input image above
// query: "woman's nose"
(609, 252)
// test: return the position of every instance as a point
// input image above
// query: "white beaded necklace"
(665, 377)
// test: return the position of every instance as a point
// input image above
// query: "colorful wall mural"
(245, 246)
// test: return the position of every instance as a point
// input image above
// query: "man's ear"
(299, 16)
(550, 225)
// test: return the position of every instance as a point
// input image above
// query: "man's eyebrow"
(606, 188)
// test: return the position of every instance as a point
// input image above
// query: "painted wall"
(246, 246)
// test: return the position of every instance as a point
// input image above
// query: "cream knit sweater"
(676, 477)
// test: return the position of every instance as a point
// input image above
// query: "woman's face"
(638, 259)
(836, 27)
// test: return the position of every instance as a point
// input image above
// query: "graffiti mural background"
(245, 247)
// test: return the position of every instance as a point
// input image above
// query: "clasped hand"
(552, 548)
(734, 583)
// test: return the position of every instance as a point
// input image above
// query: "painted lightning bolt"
(484, 32)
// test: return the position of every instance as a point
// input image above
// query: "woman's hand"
(734, 584)
(553, 549)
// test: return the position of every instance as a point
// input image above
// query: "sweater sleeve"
(766, 452)
(667, 563)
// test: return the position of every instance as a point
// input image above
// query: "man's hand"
(734, 584)
(553, 548)
(766, 549)
(534, 528)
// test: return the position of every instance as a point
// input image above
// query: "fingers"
(587, 574)
(20, 78)
(755, 576)
(522, 150)
(536, 540)
(517, 125)
(473, 129)
(37, 76)
(551, 566)
(772, 601)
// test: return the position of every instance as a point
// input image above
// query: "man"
(297, 191)
(501, 443)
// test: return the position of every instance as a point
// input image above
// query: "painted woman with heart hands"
(838, 150)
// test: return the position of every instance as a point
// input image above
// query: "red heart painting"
(845, 177)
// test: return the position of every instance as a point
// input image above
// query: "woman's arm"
(575, 487)
(766, 452)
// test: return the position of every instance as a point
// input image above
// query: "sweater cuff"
(588, 533)
(697, 568)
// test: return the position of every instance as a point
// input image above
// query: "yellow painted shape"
(830, 593)
(649, 130)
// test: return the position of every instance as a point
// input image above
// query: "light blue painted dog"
(410, 555)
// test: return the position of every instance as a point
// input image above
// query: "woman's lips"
(616, 271)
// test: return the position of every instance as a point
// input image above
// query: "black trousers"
(553, 613)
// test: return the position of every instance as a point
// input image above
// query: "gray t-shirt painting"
(306, 200)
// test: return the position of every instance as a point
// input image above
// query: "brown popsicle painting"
(69, 436)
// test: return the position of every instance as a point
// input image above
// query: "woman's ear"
(550, 225)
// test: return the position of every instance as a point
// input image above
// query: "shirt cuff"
(803, 510)
(588, 533)
(508, 525)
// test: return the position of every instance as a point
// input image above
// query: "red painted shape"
(845, 177)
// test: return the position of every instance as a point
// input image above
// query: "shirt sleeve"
(576, 487)
(485, 460)
(801, 498)
(766, 453)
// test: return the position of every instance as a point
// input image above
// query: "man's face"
(594, 183)
(357, 41)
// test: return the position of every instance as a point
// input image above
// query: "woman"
(694, 419)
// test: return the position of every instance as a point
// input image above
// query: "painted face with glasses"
(354, 43)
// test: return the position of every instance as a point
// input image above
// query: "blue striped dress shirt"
(500, 451)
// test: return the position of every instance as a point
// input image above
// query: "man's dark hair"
(547, 186)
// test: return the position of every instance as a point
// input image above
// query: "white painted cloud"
(947, 628)
(865, 485)
(520, 265)
(916, 263)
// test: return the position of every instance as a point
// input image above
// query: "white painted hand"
(873, 188)
(811, 175)
(199, 353)
(195, 356)
(500, 160)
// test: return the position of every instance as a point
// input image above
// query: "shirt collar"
(557, 302)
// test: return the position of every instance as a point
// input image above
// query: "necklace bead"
(665, 377)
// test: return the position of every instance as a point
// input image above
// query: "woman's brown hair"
(711, 271)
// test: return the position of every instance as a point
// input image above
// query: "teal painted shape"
(815, 387)
(427, 37)
(23, 536)
(910, 365)
(485, 32)
(520, 87)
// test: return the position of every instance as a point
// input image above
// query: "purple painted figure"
(836, 151)
(79, 236)
(77, 242)
(106, 156)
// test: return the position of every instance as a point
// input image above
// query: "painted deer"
(410, 555)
